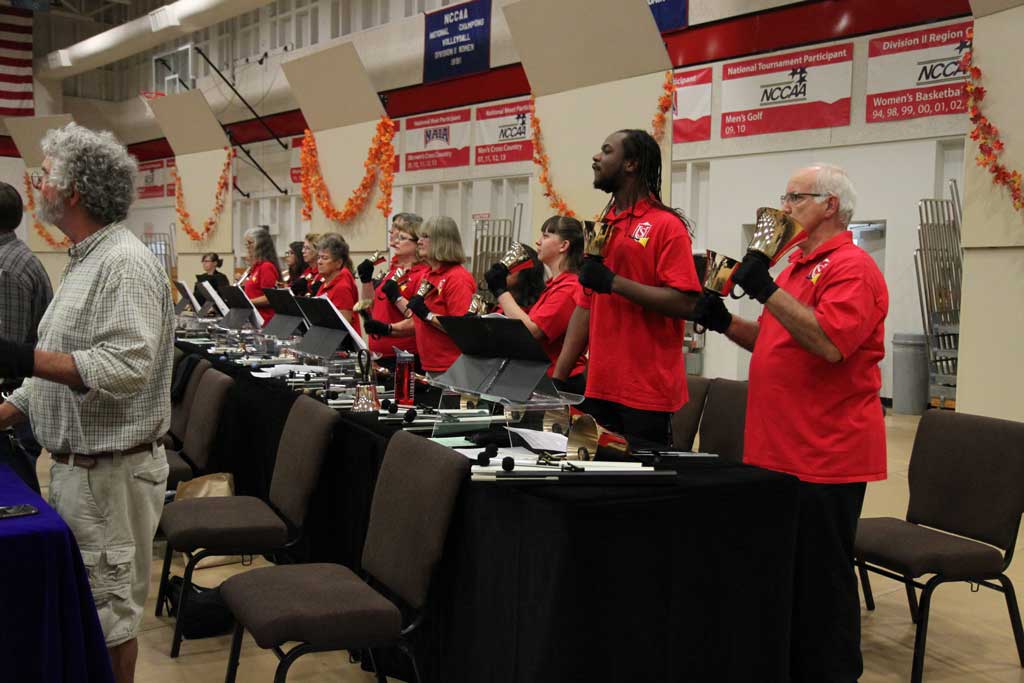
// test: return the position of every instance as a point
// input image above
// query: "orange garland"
(40, 229)
(380, 159)
(223, 188)
(540, 157)
(664, 105)
(990, 145)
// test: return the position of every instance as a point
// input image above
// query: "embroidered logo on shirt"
(641, 233)
(816, 273)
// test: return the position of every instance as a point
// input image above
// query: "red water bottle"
(405, 378)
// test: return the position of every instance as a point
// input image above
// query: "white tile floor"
(969, 636)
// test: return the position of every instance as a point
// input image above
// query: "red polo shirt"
(263, 274)
(822, 421)
(551, 314)
(636, 355)
(453, 290)
(313, 280)
(343, 293)
(386, 312)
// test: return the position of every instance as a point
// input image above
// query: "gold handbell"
(365, 399)
(515, 255)
(775, 234)
(363, 305)
(379, 257)
(425, 288)
(477, 306)
(588, 440)
(595, 238)
(718, 276)
(398, 275)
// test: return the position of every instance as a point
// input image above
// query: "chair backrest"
(967, 476)
(180, 412)
(686, 419)
(724, 418)
(412, 506)
(204, 417)
(300, 453)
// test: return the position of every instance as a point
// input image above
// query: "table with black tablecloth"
(49, 631)
(688, 582)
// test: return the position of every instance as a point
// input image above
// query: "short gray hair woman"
(94, 164)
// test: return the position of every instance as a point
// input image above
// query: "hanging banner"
(150, 184)
(788, 91)
(503, 133)
(396, 142)
(169, 187)
(295, 167)
(670, 15)
(457, 41)
(917, 74)
(437, 140)
(691, 105)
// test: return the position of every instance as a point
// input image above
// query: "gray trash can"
(909, 373)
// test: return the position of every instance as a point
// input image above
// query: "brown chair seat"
(325, 605)
(913, 550)
(180, 470)
(228, 525)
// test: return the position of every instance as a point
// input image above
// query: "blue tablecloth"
(49, 631)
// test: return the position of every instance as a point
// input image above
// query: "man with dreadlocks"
(634, 300)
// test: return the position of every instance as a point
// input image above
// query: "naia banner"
(788, 91)
(437, 140)
(917, 74)
(691, 105)
(503, 133)
(150, 183)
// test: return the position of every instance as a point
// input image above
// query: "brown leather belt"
(89, 461)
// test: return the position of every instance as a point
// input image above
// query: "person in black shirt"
(211, 262)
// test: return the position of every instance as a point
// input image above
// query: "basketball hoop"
(151, 94)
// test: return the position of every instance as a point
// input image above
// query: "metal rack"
(938, 261)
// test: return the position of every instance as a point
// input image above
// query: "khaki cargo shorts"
(113, 510)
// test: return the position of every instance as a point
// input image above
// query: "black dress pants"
(825, 645)
(652, 426)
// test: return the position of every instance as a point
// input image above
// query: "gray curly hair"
(96, 165)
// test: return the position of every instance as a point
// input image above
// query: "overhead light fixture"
(163, 17)
(59, 59)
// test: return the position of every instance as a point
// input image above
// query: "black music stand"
(288, 319)
(186, 300)
(327, 329)
(500, 360)
(240, 309)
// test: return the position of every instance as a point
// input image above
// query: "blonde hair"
(445, 240)
(313, 238)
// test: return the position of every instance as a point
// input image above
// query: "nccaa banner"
(917, 74)
(670, 15)
(438, 140)
(691, 105)
(788, 91)
(457, 41)
(503, 133)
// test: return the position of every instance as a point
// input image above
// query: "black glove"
(377, 328)
(595, 276)
(711, 312)
(365, 271)
(753, 276)
(391, 290)
(497, 279)
(16, 360)
(419, 307)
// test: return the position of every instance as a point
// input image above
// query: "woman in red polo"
(451, 291)
(392, 292)
(311, 275)
(560, 249)
(335, 266)
(263, 272)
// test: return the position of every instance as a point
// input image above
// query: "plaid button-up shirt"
(24, 290)
(113, 314)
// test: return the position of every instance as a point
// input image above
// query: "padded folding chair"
(724, 419)
(966, 498)
(204, 419)
(686, 419)
(182, 410)
(327, 606)
(245, 525)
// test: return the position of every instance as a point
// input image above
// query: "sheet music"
(187, 293)
(543, 441)
(359, 341)
(259, 318)
(215, 298)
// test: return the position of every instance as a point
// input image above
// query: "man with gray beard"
(100, 376)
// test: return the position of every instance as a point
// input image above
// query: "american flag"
(16, 62)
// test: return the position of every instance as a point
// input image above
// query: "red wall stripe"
(784, 27)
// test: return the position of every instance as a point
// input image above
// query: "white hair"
(833, 181)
